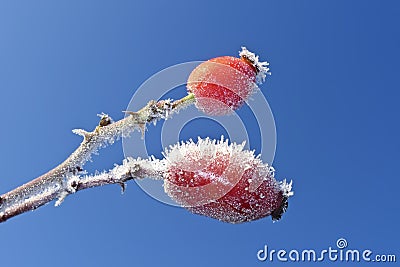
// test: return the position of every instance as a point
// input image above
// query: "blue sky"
(334, 93)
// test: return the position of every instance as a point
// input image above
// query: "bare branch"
(64, 179)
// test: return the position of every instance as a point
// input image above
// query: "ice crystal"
(262, 67)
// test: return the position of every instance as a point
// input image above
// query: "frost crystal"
(262, 67)
(286, 188)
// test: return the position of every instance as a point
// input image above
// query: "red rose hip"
(223, 84)
(223, 182)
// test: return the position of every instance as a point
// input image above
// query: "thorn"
(61, 198)
(81, 132)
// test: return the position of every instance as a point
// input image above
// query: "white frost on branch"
(67, 177)
(129, 169)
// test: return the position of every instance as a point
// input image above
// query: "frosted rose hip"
(223, 84)
(224, 182)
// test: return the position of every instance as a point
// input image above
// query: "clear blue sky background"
(334, 93)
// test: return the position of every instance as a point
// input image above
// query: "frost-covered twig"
(120, 174)
(65, 178)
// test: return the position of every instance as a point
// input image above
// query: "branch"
(65, 179)
(120, 174)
